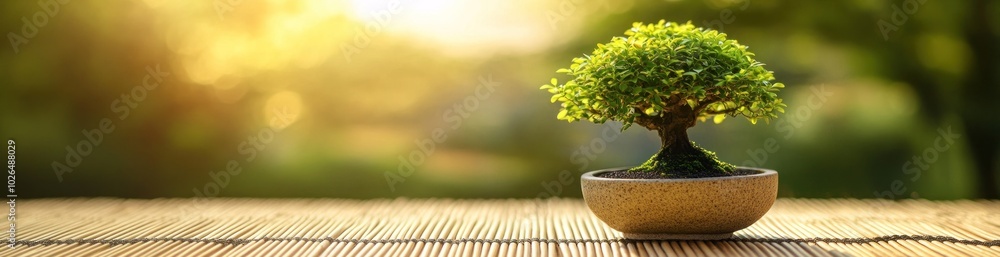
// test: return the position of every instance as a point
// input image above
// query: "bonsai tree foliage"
(665, 77)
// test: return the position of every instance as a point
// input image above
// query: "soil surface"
(625, 174)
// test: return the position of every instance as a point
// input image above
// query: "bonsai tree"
(665, 77)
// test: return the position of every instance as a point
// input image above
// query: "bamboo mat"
(550, 227)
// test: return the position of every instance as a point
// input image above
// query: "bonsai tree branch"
(724, 111)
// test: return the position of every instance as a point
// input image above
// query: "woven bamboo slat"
(442, 227)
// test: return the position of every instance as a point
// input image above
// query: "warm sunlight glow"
(460, 27)
(249, 37)
(283, 109)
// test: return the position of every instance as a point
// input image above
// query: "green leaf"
(555, 97)
(649, 111)
(692, 103)
(562, 115)
(553, 81)
(719, 118)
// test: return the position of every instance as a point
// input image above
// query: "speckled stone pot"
(695, 209)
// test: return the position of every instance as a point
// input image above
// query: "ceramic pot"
(691, 209)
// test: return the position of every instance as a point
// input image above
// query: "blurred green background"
(325, 98)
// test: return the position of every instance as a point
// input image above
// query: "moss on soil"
(698, 164)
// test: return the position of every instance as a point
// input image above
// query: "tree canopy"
(667, 70)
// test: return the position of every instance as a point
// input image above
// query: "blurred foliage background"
(330, 96)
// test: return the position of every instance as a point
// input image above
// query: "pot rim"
(592, 175)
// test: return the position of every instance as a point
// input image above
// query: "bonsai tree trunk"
(678, 157)
(674, 139)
